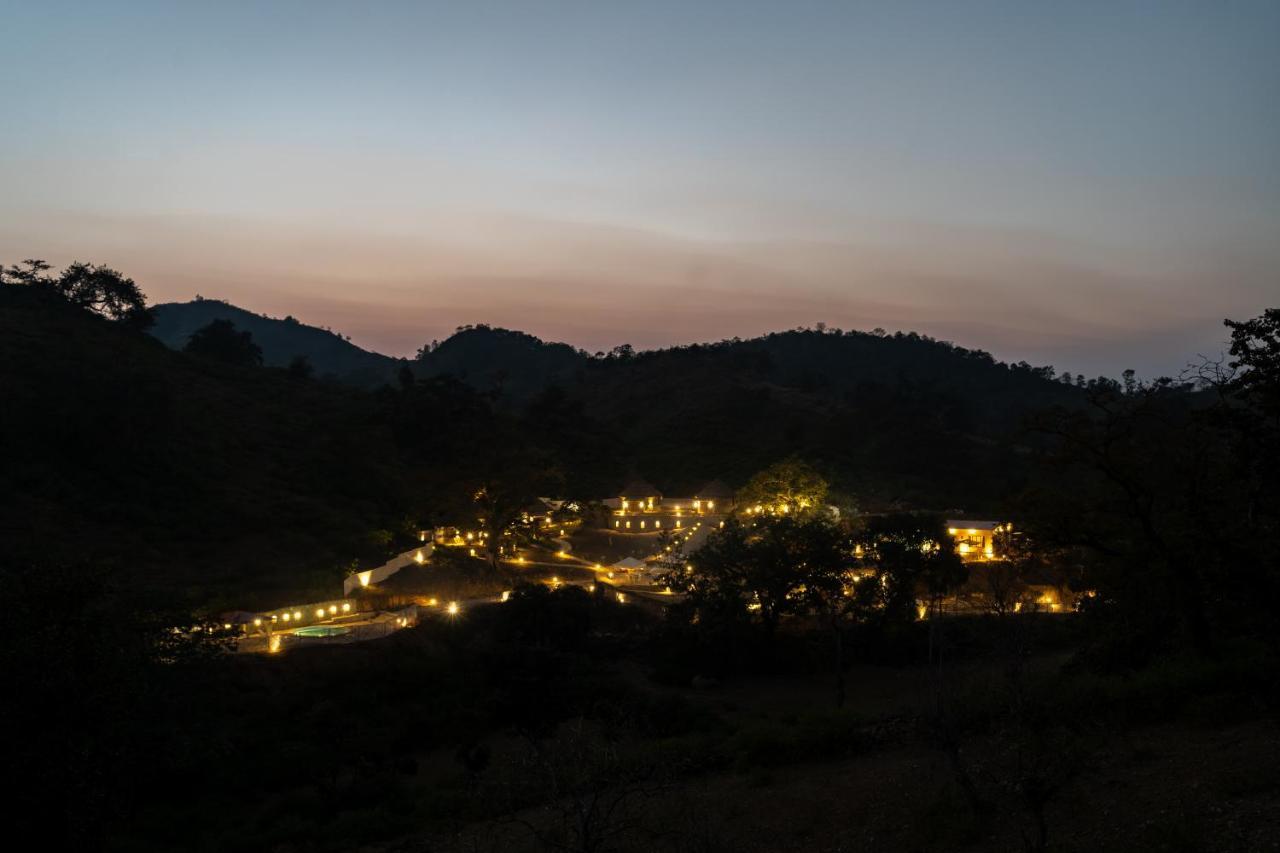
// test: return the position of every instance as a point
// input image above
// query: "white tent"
(628, 564)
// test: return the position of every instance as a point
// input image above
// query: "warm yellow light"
(988, 552)
(562, 531)
(473, 552)
(622, 598)
(419, 558)
(273, 643)
(286, 617)
(432, 602)
(364, 578)
(453, 608)
(591, 587)
(562, 553)
(667, 591)
(257, 622)
(320, 613)
(226, 626)
(506, 595)
(346, 608)
(964, 547)
(711, 504)
(333, 608)
(972, 532)
(952, 531)
(297, 614)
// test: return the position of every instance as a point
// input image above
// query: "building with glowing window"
(642, 509)
(976, 540)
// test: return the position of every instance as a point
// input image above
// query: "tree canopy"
(789, 486)
(94, 287)
(221, 341)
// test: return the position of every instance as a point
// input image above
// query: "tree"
(771, 567)
(510, 476)
(1143, 487)
(910, 558)
(93, 287)
(300, 368)
(221, 341)
(789, 486)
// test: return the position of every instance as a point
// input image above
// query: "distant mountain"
(281, 340)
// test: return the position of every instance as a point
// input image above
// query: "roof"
(972, 525)
(629, 563)
(714, 489)
(537, 505)
(640, 489)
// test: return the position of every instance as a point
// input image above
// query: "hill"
(248, 485)
(223, 484)
(281, 340)
(513, 366)
(897, 420)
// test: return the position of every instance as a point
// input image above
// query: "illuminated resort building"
(976, 540)
(642, 509)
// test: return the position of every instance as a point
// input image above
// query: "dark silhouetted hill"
(281, 340)
(234, 485)
(894, 419)
(513, 366)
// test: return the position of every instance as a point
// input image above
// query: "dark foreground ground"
(560, 722)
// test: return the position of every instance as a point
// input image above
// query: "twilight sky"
(1092, 185)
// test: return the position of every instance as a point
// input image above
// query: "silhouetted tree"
(300, 368)
(911, 558)
(221, 341)
(772, 566)
(93, 287)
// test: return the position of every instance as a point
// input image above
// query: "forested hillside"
(192, 474)
(895, 419)
(219, 478)
(281, 340)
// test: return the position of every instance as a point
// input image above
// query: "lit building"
(976, 540)
(642, 509)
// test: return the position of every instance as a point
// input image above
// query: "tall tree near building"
(789, 486)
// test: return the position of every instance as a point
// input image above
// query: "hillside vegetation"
(232, 485)
(898, 419)
(281, 340)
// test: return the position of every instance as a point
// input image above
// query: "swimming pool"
(322, 631)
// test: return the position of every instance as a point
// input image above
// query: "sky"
(1089, 185)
